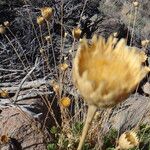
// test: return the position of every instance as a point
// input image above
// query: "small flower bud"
(46, 12)
(65, 101)
(2, 29)
(40, 20)
(76, 33)
(136, 4)
(7, 24)
(144, 43)
(63, 66)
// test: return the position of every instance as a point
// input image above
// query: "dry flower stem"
(90, 115)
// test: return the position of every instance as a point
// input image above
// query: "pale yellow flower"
(106, 74)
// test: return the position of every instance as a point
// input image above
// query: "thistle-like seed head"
(128, 140)
(46, 12)
(106, 74)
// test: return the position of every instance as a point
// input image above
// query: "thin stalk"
(90, 115)
(133, 28)
(51, 42)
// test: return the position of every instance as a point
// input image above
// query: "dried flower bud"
(63, 66)
(144, 43)
(115, 34)
(136, 4)
(46, 12)
(4, 139)
(65, 35)
(55, 86)
(65, 101)
(4, 94)
(143, 56)
(42, 50)
(2, 29)
(128, 140)
(76, 33)
(7, 23)
(47, 38)
(40, 20)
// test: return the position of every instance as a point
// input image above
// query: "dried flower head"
(40, 20)
(2, 29)
(136, 4)
(42, 50)
(7, 24)
(46, 12)
(104, 74)
(47, 38)
(128, 140)
(55, 86)
(145, 43)
(76, 33)
(4, 93)
(63, 67)
(143, 56)
(65, 101)
(4, 139)
(115, 34)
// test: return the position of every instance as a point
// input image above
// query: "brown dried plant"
(105, 74)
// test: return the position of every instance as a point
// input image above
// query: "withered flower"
(106, 73)
(63, 66)
(4, 139)
(76, 33)
(46, 12)
(7, 24)
(65, 102)
(40, 20)
(2, 29)
(128, 140)
(4, 93)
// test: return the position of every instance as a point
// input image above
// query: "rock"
(23, 132)
(136, 109)
(146, 88)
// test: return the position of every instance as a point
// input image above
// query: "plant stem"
(91, 112)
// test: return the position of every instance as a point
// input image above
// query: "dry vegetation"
(39, 106)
